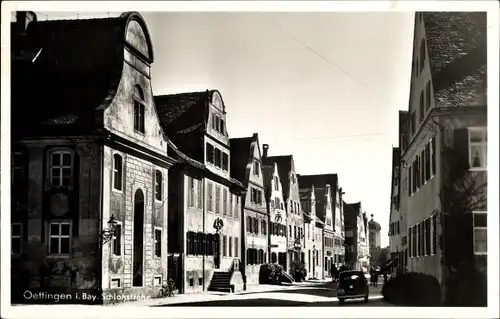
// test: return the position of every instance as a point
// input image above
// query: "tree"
(462, 193)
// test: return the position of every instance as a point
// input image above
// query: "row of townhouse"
(116, 190)
(443, 136)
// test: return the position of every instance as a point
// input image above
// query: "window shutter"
(461, 145)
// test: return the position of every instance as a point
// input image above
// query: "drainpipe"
(99, 222)
(204, 229)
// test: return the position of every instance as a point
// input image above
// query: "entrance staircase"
(221, 281)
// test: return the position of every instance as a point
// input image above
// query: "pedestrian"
(385, 277)
(334, 273)
(375, 278)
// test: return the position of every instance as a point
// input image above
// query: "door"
(217, 252)
(174, 268)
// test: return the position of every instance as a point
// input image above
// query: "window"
(61, 168)
(478, 148)
(421, 239)
(428, 95)
(290, 231)
(210, 153)
(190, 191)
(218, 157)
(138, 109)
(427, 224)
(224, 202)
(231, 205)
(480, 233)
(422, 167)
(421, 117)
(295, 232)
(210, 199)
(276, 185)
(427, 156)
(215, 122)
(117, 240)
(422, 55)
(256, 168)
(59, 238)
(410, 185)
(225, 162)
(157, 242)
(264, 227)
(413, 124)
(158, 185)
(236, 247)
(199, 193)
(224, 246)
(16, 238)
(434, 234)
(117, 172)
(236, 207)
(256, 225)
(17, 165)
(433, 155)
(217, 199)
(249, 224)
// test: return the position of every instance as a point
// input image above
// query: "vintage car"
(352, 285)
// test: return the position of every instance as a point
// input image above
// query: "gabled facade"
(276, 212)
(314, 233)
(91, 150)
(357, 246)
(291, 197)
(329, 211)
(246, 167)
(205, 219)
(447, 111)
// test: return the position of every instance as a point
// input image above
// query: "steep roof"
(64, 70)
(284, 163)
(240, 157)
(184, 118)
(320, 181)
(351, 212)
(456, 43)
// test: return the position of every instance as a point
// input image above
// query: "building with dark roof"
(328, 195)
(445, 131)
(90, 159)
(356, 237)
(291, 198)
(246, 167)
(206, 219)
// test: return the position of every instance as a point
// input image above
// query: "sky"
(325, 87)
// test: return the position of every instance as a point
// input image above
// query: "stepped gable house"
(204, 210)
(91, 149)
(329, 211)
(246, 167)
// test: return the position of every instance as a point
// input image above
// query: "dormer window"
(139, 109)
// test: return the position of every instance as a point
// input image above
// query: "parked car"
(352, 285)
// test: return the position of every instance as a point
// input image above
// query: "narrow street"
(308, 294)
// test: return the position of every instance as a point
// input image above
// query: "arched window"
(139, 109)
(117, 172)
(158, 185)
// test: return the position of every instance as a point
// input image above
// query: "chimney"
(266, 148)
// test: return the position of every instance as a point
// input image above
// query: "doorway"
(217, 251)
(138, 258)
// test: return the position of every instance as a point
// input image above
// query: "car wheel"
(366, 299)
(341, 301)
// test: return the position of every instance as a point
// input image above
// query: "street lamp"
(107, 233)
